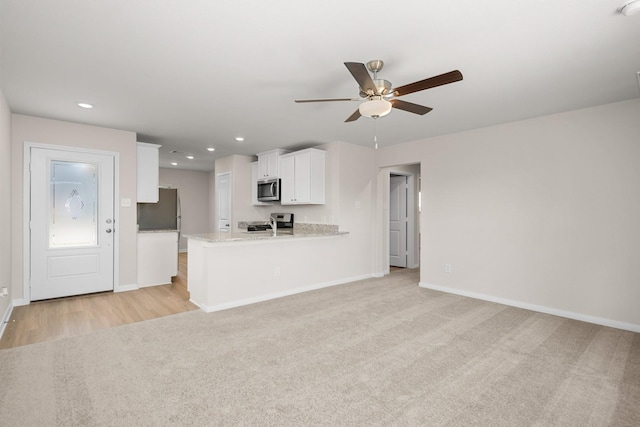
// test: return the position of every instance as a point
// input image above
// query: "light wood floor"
(71, 316)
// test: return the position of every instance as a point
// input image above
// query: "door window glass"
(74, 199)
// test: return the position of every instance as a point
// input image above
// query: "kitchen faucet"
(274, 225)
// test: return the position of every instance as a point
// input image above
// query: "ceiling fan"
(379, 97)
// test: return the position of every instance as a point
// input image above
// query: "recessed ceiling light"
(211, 149)
(174, 164)
(630, 8)
(239, 138)
(84, 105)
(189, 157)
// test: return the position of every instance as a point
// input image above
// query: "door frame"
(412, 256)
(26, 209)
(381, 265)
(230, 200)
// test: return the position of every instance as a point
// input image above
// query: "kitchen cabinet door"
(303, 177)
(287, 180)
(269, 163)
(255, 175)
(148, 172)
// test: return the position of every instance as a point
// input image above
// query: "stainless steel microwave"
(269, 190)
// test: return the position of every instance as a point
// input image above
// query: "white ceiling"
(189, 74)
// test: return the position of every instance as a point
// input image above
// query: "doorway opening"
(223, 194)
(401, 217)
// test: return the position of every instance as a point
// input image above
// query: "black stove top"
(259, 227)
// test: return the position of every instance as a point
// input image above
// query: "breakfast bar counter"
(262, 236)
(231, 269)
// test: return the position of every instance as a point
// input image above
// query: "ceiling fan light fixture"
(630, 8)
(375, 108)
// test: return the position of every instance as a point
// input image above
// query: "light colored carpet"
(378, 352)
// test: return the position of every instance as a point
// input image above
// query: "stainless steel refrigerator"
(164, 215)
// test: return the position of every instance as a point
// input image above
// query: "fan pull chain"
(375, 133)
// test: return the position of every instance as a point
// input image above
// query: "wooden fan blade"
(360, 73)
(410, 107)
(328, 99)
(355, 116)
(442, 79)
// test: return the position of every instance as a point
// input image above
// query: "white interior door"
(71, 223)
(223, 190)
(398, 221)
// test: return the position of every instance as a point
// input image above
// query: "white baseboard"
(539, 308)
(20, 302)
(261, 298)
(6, 317)
(125, 288)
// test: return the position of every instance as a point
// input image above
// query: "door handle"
(108, 230)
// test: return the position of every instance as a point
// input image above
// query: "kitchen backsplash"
(315, 228)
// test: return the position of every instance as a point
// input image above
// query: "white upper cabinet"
(269, 163)
(254, 186)
(148, 171)
(303, 177)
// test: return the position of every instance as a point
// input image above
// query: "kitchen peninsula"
(231, 269)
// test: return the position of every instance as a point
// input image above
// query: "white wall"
(193, 189)
(241, 209)
(212, 200)
(5, 213)
(45, 131)
(542, 212)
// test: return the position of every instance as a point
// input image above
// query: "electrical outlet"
(447, 268)
(4, 291)
(276, 271)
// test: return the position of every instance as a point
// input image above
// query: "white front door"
(224, 201)
(398, 221)
(71, 223)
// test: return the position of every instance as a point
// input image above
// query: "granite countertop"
(248, 236)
